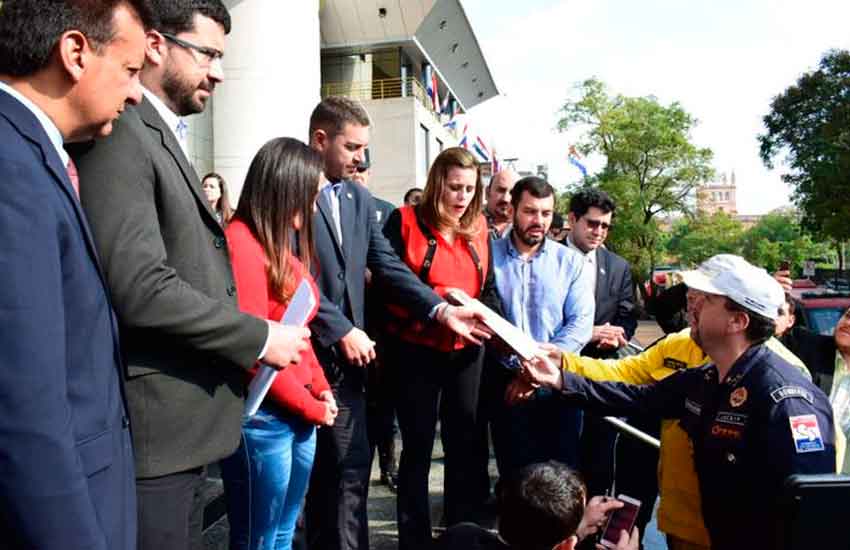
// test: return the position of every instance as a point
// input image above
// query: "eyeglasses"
(596, 224)
(210, 55)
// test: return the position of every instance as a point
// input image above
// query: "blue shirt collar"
(512, 250)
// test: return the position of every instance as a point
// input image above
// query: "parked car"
(820, 307)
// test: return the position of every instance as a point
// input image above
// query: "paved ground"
(382, 525)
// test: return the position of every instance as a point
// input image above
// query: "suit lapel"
(30, 128)
(151, 118)
(328, 218)
(602, 271)
(346, 216)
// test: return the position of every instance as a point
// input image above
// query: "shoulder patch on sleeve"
(806, 433)
(786, 392)
(674, 364)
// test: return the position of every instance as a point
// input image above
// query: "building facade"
(414, 64)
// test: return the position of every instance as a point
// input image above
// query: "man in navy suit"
(67, 69)
(348, 240)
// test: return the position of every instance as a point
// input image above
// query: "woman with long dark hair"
(215, 190)
(444, 240)
(266, 478)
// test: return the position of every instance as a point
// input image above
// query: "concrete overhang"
(436, 31)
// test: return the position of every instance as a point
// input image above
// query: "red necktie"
(73, 176)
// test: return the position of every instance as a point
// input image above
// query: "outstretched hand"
(543, 372)
(465, 322)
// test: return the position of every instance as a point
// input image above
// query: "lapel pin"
(348, 195)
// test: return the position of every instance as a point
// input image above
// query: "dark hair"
(760, 329)
(541, 506)
(30, 29)
(224, 205)
(282, 183)
(410, 192)
(536, 187)
(176, 16)
(334, 112)
(792, 303)
(429, 208)
(557, 221)
(584, 199)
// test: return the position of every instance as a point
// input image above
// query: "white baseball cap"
(745, 284)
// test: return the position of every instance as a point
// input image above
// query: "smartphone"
(785, 265)
(621, 519)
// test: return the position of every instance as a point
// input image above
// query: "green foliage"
(808, 128)
(694, 240)
(779, 236)
(651, 165)
(776, 237)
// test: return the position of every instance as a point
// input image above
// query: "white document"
(299, 308)
(516, 339)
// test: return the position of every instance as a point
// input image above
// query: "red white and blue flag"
(431, 87)
(574, 157)
(481, 149)
(464, 141)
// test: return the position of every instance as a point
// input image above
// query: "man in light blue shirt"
(545, 291)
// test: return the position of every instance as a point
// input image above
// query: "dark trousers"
(339, 486)
(435, 385)
(380, 412)
(543, 428)
(171, 511)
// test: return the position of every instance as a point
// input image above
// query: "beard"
(522, 234)
(182, 93)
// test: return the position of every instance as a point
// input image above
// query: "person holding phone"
(752, 418)
(265, 480)
(544, 506)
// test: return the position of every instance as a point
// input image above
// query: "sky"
(723, 60)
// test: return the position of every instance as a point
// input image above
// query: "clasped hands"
(609, 336)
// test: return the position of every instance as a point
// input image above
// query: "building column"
(272, 79)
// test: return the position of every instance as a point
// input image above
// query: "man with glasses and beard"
(546, 291)
(165, 257)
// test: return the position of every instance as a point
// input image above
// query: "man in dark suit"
(67, 69)
(167, 265)
(380, 408)
(348, 241)
(591, 215)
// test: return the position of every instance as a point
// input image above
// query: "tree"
(778, 236)
(694, 240)
(808, 128)
(651, 165)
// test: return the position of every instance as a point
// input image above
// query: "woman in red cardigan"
(445, 241)
(266, 478)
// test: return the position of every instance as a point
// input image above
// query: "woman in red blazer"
(445, 241)
(266, 478)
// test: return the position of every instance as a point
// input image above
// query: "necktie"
(182, 131)
(332, 193)
(73, 176)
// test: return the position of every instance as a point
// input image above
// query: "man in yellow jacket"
(679, 512)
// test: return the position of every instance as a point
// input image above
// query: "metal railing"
(624, 427)
(384, 88)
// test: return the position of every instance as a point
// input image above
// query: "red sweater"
(297, 387)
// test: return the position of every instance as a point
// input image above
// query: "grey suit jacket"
(615, 298)
(167, 266)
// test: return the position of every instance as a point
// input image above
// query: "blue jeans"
(266, 478)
